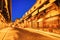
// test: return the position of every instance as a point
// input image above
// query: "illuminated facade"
(5, 9)
(2, 22)
(5, 13)
(44, 15)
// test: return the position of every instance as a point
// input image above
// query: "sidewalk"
(48, 34)
(28, 32)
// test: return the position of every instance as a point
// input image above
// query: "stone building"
(5, 7)
(44, 15)
(5, 13)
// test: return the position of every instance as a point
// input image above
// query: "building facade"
(5, 13)
(5, 9)
(44, 15)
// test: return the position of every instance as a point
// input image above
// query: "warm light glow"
(26, 13)
(6, 6)
(51, 1)
(52, 13)
(51, 19)
(41, 19)
(2, 22)
(34, 13)
(46, 6)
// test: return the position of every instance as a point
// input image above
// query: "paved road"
(20, 34)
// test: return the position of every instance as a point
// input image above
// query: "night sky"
(19, 7)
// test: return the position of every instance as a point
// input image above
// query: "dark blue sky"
(19, 7)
